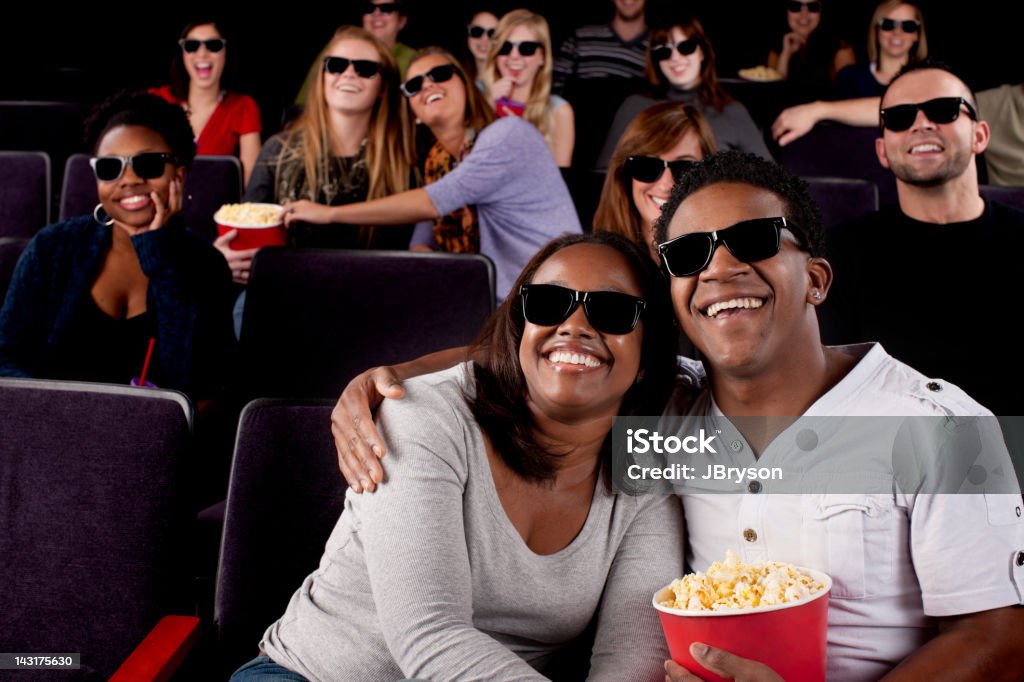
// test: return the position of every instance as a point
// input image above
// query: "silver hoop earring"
(96, 212)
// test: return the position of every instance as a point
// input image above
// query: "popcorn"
(731, 584)
(760, 73)
(249, 215)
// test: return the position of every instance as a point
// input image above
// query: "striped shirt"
(598, 52)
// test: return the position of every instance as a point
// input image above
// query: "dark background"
(89, 51)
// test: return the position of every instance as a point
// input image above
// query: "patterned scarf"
(459, 231)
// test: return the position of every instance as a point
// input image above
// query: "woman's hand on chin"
(165, 212)
(305, 211)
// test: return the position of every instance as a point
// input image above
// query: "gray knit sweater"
(428, 578)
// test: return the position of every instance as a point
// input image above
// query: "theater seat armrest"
(161, 652)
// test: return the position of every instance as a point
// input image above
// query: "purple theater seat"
(24, 193)
(842, 199)
(314, 318)
(285, 496)
(840, 151)
(1011, 196)
(92, 518)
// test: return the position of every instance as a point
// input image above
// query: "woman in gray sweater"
(681, 67)
(497, 537)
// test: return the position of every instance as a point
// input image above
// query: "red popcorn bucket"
(789, 638)
(252, 236)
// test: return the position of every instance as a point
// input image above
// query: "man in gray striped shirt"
(615, 50)
(596, 68)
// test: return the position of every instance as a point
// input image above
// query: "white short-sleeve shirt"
(896, 558)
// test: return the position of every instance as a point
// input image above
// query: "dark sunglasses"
(526, 48)
(747, 241)
(364, 68)
(939, 110)
(683, 47)
(438, 74)
(609, 312)
(146, 165)
(795, 7)
(384, 7)
(191, 45)
(907, 25)
(650, 168)
(479, 31)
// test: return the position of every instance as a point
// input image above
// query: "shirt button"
(736, 445)
(933, 386)
(751, 536)
(755, 487)
(1018, 512)
(1020, 558)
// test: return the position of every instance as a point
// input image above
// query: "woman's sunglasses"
(794, 6)
(191, 45)
(907, 25)
(438, 74)
(479, 31)
(683, 47)
(526, 48)
(650, 168)
(364, 68)
(147, 165)
(609, 312)
(939, 110)
(747, 241)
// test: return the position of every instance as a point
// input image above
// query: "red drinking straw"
(145, 365)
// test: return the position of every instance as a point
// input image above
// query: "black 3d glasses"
(526, 48)
(147, 165)
(747, 241)
(191, 45)
(907, 26)
(475, 31)
(650, 168)
(364, 68)
(438, 74)
(683, 47)
(609, 312)
(900, 117)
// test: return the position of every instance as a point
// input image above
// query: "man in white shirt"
(925, 585)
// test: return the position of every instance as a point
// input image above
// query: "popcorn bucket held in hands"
(788, 637)
(258, 225)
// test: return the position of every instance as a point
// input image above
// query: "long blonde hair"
(538, 103)
(655, 129)
(920, 49)
(389, 153)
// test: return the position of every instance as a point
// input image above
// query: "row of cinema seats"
(26, 193)
(95, 544)
(97, 565)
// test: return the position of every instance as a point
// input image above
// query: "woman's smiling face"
(347, 91)
(205, 68)
(128, 199)
(572, 370)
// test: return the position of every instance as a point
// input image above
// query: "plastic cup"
(253, 236)
(789, 638)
